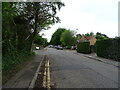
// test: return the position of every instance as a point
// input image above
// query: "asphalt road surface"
(71, 70)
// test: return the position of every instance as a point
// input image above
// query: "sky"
(87, 16)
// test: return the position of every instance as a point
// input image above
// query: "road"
(71, 70)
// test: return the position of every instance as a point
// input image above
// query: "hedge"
(108, 48)
(68, 47)
(83, 47)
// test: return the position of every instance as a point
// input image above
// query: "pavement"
(95, 57)
(24, 77)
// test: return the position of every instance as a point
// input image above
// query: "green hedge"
(108, 48)
(68, 47)
(83, 47)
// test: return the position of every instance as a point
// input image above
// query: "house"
(91, 39)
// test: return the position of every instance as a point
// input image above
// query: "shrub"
(83, 47)
(101, 47)
(68, 47)
(108, 48)
(14, 58)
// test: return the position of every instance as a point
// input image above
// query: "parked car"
(60, 48)
(73, 47)
(37, 48)
(56, 47)
(50, 46)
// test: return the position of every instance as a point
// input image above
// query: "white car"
(59, 47)
(50, 46)
(37, 48)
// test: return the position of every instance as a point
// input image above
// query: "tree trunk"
(35, 29)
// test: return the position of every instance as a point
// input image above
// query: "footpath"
(95, 57)
(24, 77)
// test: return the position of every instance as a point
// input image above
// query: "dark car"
(60, 48)
(73, 47)
(56, 47)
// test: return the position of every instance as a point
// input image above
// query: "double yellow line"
(46, 78)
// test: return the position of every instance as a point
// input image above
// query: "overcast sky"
(86, 16)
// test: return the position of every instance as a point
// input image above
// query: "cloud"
(88, 15)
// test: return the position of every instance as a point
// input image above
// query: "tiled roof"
(88, 37)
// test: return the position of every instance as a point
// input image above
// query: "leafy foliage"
(55, 40)
(68, 47)
(68, 38)
(41, 41)
(83, 47)
(89, 34)
(21, 22)
(101, 36)
(108, 48)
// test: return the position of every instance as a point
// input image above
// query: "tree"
(55, 40)
(40, 15)
(78, 37)
(101, 36)
(26, 19)
(68, 38)
(89, 34)
(21, 22)
(40, 40)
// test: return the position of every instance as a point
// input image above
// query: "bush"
(83, 47)
(108, 48)
(14, 58)
(68, 47)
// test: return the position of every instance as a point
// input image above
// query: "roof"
(87, 38)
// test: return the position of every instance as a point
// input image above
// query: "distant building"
(90, 39)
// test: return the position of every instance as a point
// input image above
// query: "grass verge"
(6, 75)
